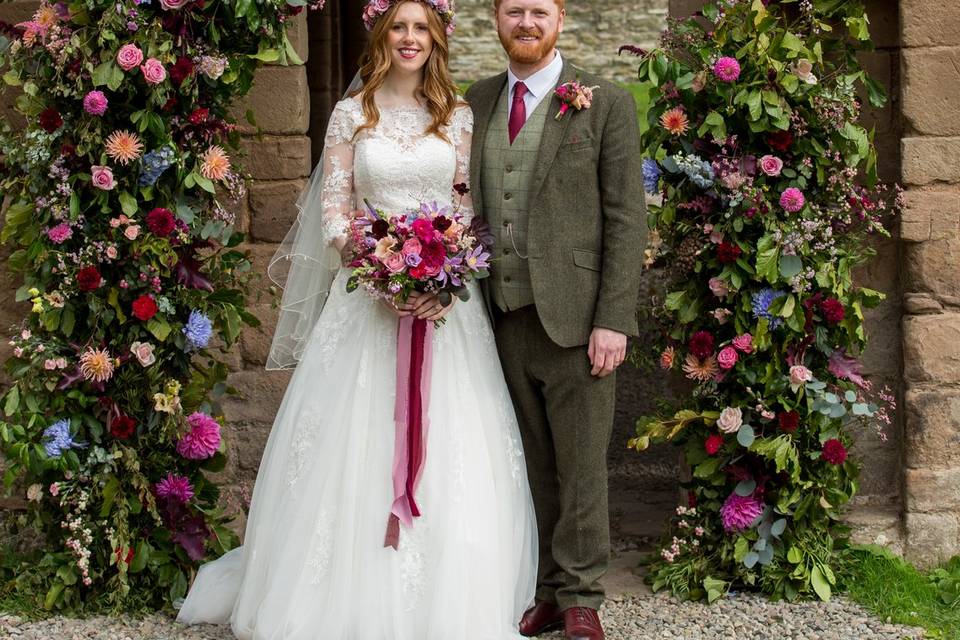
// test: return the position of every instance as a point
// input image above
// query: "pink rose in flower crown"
(95, 103)
(792, 200)
(129, 56)
(153, 71)
(727, 358)
(771, 165)
(718, 287)
(394, 262)
(744, 343)
(102, 177)
(173, 5)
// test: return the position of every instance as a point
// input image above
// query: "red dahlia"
(701, 344)
(160, 222)
(50, 119)
(728, 252)
(144, 308)
(834, 452)
(789, 421)
(122, 427)
(833, 310)
(181, 70)
(88, 279)
(713, 443)
(199, 115)
(780, 140)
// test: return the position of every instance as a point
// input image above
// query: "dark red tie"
(518, 110)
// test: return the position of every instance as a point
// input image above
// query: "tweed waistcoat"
(506, 176)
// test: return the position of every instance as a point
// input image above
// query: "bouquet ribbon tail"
(414, 365)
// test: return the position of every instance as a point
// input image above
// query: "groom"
(565, 204)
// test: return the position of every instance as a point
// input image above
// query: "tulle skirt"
(313, 564)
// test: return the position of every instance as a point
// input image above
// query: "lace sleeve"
(461, 134)
(337, 193)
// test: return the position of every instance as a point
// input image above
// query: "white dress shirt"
(540, 85)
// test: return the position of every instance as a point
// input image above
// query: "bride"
(314, 563)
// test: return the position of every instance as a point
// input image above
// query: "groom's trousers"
(566, 420)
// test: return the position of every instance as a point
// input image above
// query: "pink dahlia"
(95, 103)
(203, 439)
(792, 200)
(727, 69)
(174, 486)
(60, 233)
(739, 512)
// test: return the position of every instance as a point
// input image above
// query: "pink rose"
(143, 351)
(50, 364)
(718, 287)
(744, 343)
(54, 489)
(129, 56)
(411, 247)
(394, 262)
(95, 103)
(173, 5)
(722, 315)
(132, 232)
(731, 419)
(727, 358)
(771, 165)
(153, 71)
(112, 253)
(799, 375)
(18, 351)
(102, 177)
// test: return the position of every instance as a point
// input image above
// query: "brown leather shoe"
(582, 623)
(543, 616)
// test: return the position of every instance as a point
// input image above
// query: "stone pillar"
(930, 67)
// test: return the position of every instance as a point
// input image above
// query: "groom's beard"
(528, 53)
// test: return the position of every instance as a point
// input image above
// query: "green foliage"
(753, 144)
(131, 262)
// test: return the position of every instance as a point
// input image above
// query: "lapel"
(484, 103)
(553, 132)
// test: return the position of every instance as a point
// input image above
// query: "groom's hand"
(607, 350)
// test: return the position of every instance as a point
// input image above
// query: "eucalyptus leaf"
(745, 436)
(745, 488)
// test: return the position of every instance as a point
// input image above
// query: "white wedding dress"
(313, 565)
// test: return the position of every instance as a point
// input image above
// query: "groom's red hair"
(561, 4)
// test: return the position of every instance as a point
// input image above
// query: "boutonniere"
(573, 94)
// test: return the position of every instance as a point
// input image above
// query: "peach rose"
(132, 232)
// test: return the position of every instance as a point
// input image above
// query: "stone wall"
(930, 68)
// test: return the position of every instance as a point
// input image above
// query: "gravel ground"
(739, 617)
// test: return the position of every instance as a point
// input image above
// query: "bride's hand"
(428, 307)
(401, 309)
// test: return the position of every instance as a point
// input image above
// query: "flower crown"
(376, 8)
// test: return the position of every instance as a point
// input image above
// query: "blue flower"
(154, 164)
(57, 439)
(651, 175)
(761, 306)
(198, 330)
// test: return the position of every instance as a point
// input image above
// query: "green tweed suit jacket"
(587, 217)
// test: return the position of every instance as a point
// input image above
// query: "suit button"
(506, 252)
(506, 223)
(506, 278)
(507, 196)
(508, 168)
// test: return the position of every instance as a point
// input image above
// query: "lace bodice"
(394, 165)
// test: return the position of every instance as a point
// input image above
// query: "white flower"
(731, 419)
(799, 375)
(34, 493)
(803, 69)
(143, 352)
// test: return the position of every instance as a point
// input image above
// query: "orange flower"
(96, 364)
(123, 146)
(46, 16)
(216, 164)
(675, 121)
(666, 358)
(700, 370)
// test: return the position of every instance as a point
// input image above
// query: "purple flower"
(60, 233)
(476, 259)
(651, 175)
(792, 200)
(727, 69)
(95, 103)
(739, 512)
(412, 259)
(203, 439)
(452, 268)
(176, 487)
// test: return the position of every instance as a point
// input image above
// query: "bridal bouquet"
(431, 250)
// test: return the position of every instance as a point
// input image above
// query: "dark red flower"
(434, 254)
(50, 119)
(169, 105)
(461, 188)
(789, 421)
(199, 115)
(691, 499)
(160, 222)
(88, 279)
(834, 452)
(728, 252)
(833, 310)
(442, 223)
(181, 70)
(780, 140)
(122, 427)
(144, 308)
(701, 344)
(67, 149)
(379, 229)
(128, 559)
(713, 443)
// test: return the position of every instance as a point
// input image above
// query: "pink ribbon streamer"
(414, 364)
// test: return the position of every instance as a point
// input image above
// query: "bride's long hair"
(437, 87)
